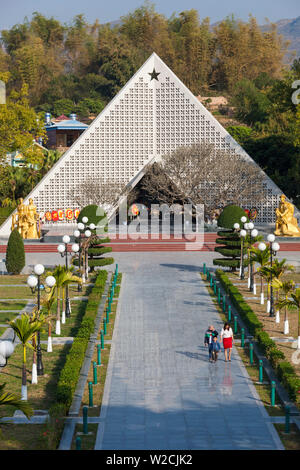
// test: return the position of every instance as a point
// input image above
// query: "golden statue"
(286, 224)
(26, 220)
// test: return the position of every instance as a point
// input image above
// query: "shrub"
(93, 212)
(230, 215)
(96, 249)
(292, 385)
(285, 368)
(265, 342)
(275, 356)
(15, 253)
(229, 239)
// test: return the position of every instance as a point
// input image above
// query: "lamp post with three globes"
(34, 282)
(63, 250)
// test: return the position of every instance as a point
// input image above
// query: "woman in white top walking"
(227, 337)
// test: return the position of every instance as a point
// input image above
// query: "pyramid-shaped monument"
(152, 115)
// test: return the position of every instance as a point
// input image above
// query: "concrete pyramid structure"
(152, 115)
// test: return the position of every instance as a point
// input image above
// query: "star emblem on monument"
(154, 74)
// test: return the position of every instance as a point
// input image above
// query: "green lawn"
(72, 324)
(13, 279)
(5, 317)
(11, 305)
(21, 436)
(22, 292)
(42, 395)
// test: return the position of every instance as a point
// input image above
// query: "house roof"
(62, 117)
(66, 124)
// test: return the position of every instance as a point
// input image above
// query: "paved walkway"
(161, 392)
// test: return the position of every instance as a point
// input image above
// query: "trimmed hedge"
(15, 253)
(70, 372)
(230, 215)
(239, 303)
(284, 370)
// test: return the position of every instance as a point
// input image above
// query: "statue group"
(26, 220)
(286, 224)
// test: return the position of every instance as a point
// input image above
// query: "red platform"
(160, 243)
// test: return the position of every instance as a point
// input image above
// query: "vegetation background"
(79, 67)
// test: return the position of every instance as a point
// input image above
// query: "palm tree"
(47, 302)
(58, 273)
(266, 273)
(69, 279)
(35, 316)
(279, 268)
(11, 399)
(293, 303)
(51, 157)
(63, 277)
(25, 328)
(263, 259)
(286, 287)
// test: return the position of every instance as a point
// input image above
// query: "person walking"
(227, 337)
(208, 339)
(214, 349)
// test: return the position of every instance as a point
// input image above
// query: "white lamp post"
(50, 281)
(236, 227)
(243, 234)
(262, 246)
(274, 247)
(254, 234)
(35, 284)
(6, 349)
(77, 234)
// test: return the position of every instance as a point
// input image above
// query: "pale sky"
(14, 11)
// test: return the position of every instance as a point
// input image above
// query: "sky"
(14, 11)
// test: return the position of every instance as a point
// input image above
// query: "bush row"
(283, 369)
(70, 372)
(239, 303)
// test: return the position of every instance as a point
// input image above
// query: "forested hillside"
(79, 67)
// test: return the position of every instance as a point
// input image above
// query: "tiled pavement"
(161, 392)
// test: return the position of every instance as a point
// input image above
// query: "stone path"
(161, 392)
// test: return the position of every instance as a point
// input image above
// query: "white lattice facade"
(149, 117)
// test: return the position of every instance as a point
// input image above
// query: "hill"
(290, 30)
